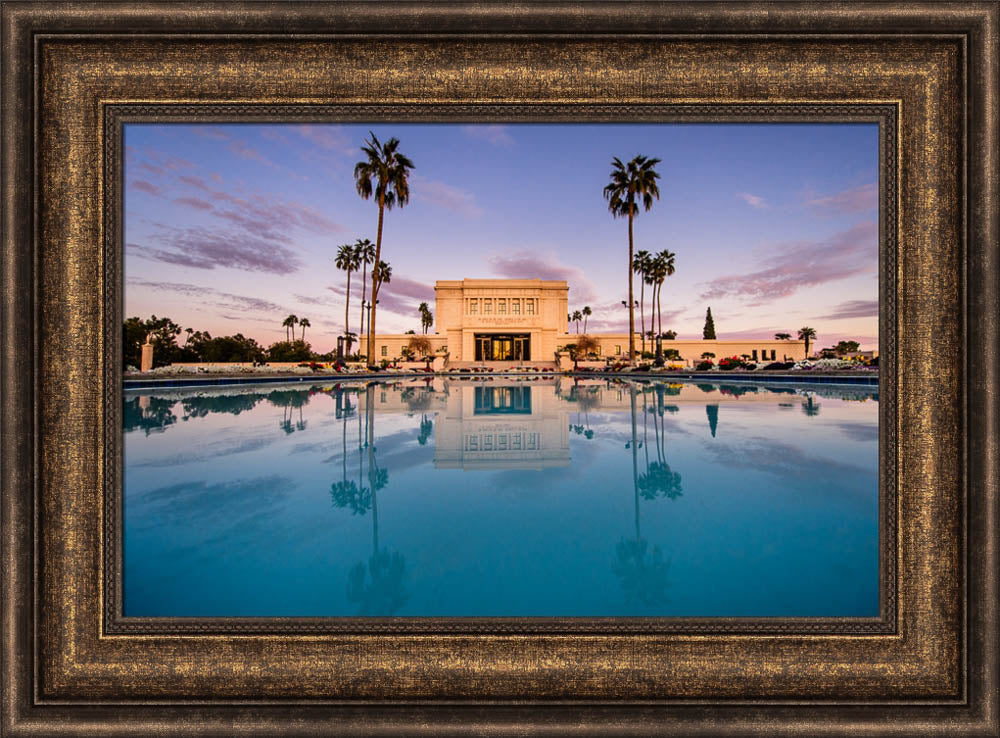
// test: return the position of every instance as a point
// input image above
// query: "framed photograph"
(328, 408)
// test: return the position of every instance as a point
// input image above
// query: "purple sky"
(229, 228)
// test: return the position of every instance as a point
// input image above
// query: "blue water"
(550, 497)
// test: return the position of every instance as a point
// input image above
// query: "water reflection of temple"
(515, 426)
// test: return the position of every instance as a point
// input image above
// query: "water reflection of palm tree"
(643, 572)
(713, 417)
(810, 407)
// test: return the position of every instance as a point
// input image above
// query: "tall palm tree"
(664, 267)
(385, 174)
(587, 312)
(365, 251)
(347, 260)
(631, 185)
(304, 323)
(640, 265)
(577, 317)
(807, 334)
(289, 323)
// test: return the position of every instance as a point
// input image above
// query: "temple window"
(515, 307)
(487, 306)
(501, 306)
(529, 306)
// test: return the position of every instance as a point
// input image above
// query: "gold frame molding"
(72, 72)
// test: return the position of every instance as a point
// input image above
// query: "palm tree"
(782, 336)
(807, 334)
(365, 251)
(587, 312)
(384, 174)
(381, 275)
(631, 184)
(640, 265)
(304, 323)
(347, 260)
(664, 267)
(426, 319)
(577, 317)
(289, 324)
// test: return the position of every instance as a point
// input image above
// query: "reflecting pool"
(501, 497)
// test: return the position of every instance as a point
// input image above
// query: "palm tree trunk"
(659, 310)
(364, 294)
(375, 270)
(642, 309)
(347, 309)
(631, 293)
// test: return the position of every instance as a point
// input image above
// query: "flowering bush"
(731, 362)
(704, 366)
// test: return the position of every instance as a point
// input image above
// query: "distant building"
(525, 320)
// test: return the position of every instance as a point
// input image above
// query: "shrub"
(731, 362)
(704, 366)
(780, 365)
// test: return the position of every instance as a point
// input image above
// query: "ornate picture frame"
(74, 74)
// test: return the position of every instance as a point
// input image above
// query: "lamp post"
(659, 350)
(635, 304)
(340, 348)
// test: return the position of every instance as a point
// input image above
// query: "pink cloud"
(491, 134)
(193, 181)
(147, 187)
(855, 200)
(194, 202)
(528, 265)
(446, 196)
(753, 200)
(803, 264)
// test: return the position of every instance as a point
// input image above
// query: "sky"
(230, 228)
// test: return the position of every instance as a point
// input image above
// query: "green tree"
(708, 333)
(631, 185)
(162, 334)
(304, 323)
(847, 347)
(807, 334)
(587, 312)
(384, 173)
(782, 336)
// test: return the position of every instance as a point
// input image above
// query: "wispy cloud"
(210, 296)
(802, 264)
(855, 200)
(203, 248)
(329, 138)
(491, 134)
(193, 181)
(194, 202)
(753, 200)
(853, 309)
(444, 195)
(529, 265)
(147, 187)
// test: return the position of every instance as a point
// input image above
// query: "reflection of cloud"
(753, 200)
(853, 309)
(210, 451)
(783, 460)
(803, 264)
(446, 196)
(529, 265)
(855, 200)
(866, 432)
(491, 134)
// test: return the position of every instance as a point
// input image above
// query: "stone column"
(147, 356)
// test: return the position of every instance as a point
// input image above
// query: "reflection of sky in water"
(745, 500)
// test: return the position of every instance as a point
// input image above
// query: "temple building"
(525, 321)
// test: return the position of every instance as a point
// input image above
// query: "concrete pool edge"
(854, 380)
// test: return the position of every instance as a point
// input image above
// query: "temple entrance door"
(521, 348)
(503, 348)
